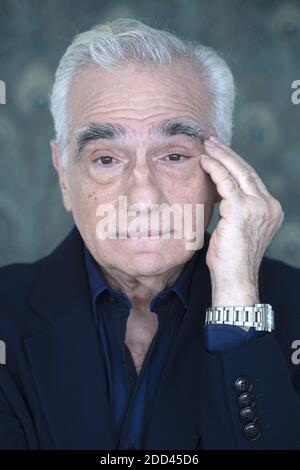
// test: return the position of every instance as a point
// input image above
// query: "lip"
(146, 235)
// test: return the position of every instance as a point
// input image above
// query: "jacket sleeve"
(261, 395)
(261, 381)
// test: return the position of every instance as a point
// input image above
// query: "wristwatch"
(261, 316)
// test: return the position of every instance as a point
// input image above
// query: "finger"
(225, 147)
(256, 177)
(226, 185)
(247, 178)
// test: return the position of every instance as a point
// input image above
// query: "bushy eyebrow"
(95, 131)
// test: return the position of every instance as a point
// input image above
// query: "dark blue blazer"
(53, 391)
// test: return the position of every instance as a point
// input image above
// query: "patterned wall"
(259, 39)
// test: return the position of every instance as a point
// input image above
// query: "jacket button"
(243, 384)
(246, 399)
(252, 431)
(247, 414)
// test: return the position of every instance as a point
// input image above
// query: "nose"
(143, 188)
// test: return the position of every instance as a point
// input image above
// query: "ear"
(62, 175)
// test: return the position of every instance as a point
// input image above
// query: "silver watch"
(261, 316)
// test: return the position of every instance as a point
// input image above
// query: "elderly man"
(124, 339)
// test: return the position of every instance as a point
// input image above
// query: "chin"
(148, 257)
(146, 264)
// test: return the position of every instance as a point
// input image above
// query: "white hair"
(127, 40)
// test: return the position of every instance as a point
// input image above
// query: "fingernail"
(214, 138)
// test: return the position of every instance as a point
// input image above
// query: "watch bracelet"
(259, 316)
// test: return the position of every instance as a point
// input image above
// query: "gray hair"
(127, 40)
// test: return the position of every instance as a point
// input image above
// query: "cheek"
(85, 201)
(204, 187)
(199, 189)
(92, 198)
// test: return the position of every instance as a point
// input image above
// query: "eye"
(105, 160)
(175, 157)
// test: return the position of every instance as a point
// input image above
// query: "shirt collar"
(180, 287)
(96, 280)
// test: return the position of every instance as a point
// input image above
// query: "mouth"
(145, 234)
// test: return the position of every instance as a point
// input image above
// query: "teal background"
(259, 39)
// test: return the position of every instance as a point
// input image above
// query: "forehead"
(137, 95)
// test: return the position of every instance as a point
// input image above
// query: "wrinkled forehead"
(138, 95)
(133, 85)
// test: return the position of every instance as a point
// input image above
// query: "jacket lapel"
(65, 357)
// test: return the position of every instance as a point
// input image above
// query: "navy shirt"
(132, 395)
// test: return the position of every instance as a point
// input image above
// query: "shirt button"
(246, 399)
(243, 384)
(247, 414)
(252, 431)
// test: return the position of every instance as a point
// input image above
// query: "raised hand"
(249, 218)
